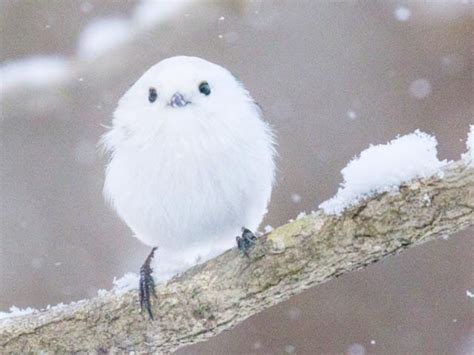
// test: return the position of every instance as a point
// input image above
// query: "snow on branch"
(393, 196)
(383, 167)
(219, 294)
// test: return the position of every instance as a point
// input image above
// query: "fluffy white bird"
(191, 162)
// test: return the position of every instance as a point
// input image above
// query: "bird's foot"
(147, 285)
(245, 242)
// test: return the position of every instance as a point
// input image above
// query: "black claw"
(147, 285)
(245, 242)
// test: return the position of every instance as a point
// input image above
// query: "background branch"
(224, 291)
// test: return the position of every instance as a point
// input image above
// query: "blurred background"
(332, 78)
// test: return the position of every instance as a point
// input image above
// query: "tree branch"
(224, 291)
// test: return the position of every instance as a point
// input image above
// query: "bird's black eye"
(152, 95)
(204, 88)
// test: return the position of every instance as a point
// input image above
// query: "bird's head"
(182, 94)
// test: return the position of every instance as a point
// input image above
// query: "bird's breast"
(180, 190)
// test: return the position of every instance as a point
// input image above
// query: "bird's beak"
(178, 100)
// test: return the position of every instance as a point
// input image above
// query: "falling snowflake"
(420, 89)
(402, 13)
(296, 198)
(351, 114)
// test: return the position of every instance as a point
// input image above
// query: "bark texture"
(224, 291)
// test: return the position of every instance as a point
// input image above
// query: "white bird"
(191, 162)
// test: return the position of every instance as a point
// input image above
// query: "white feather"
(187, 179)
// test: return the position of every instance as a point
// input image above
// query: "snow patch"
(268, 229)
(127, 282)
(101, 292)
(102, 35)
(384, 167)
(427, 199)
(301, 215)
(38, 71)
(16, 312)
(122, 285)
(468, 157)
